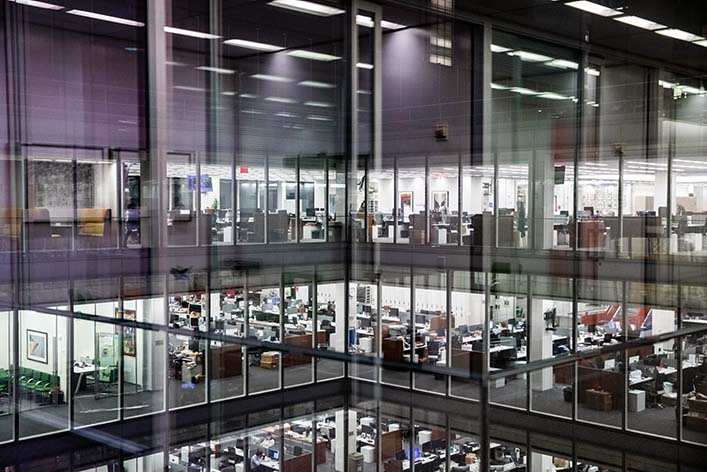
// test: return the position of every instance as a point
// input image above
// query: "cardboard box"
(269, 360)
(598, 400)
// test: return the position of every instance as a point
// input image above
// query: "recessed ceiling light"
(524, 91)
(248, 95)
(496, 86)
(497, 48)
(385, 24)
(189, 89)
(702, 43)
(33, 3)
(530, 56)
(594, 8)
(363, 20)
(217, 70)
(592, 71)
(242, 43)
(640, 22)
(285, 114)
(315, 56)
(553, 96)
(562, 64)
(318, 118)
(310, 8)
(315, 84)
(280, 100)
(680, 34)
(319, 104)
(98, 16)
(364, 65)
(271, 78)
(190, 33)
(229, 93)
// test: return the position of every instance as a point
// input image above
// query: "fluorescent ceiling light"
(318, 118)
(242, 43)
(285, 114)
(248, 95)
(190, 33)
(441, 42)
(33, 3)
(665, 84)
(98, 16)
(562, 64)
(216, 70)
(385, 24)
(315, 84)
(310, 8)
(364, 65)
(315, 56)
(553, 96)
(363, 20)
(594, 8)
(530, 56)
(524, 91)
(496, 86)
(271, 78)
(680, 34)
(688, 89)
(229, 93)
(319, 104)
(592, 71)
(702, 43)
(189, 89)
(497, 48)
(640, 22)
(280, 100)
(252, 112)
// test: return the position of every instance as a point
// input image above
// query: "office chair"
(297, 451)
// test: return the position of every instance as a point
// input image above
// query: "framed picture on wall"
(405, 202)
(129, 337)
(37, 349)
(440, 201)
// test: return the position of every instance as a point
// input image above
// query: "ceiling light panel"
(316, 84)
(530, 56)
(639, 22)
(594, 8)
(254, 45)
(310, 8)
(271, 78)
(99, 16)
(36, 4)
(680, 34)
(315, 56)
(190, 33)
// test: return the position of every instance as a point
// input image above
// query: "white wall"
(467, 308)
(5, 335)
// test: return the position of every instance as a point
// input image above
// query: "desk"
(82, 372)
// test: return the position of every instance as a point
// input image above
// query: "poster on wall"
(439, 201)
(37, 346)
(405, 199)
(129, 336)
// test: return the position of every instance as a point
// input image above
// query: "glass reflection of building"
(214, 205)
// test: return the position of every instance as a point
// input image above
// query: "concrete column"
(541, 344)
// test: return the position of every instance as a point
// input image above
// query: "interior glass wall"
(44, 377)
(534, 118)
(188, 315)
(299, 328)
(365, 333)
(468, 309)
(263, 303)
(398, 344)
(330, 321)
(227, 317)
(430, 329)
(250, 198)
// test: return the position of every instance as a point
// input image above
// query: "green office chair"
(107, 378)
(4, 381)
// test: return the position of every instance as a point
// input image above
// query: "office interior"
(378, 435)
(473, 142)
(121, 370)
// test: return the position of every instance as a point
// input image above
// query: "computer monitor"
(368, 430)
(310, 212)
(273, 454)
(400, 455)
(194, 321)
(195, 307)
(416, 452)
(463, 329)
(365, 322)
(420, 319)
(394, 312)
(367, 308)
(185, 304)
